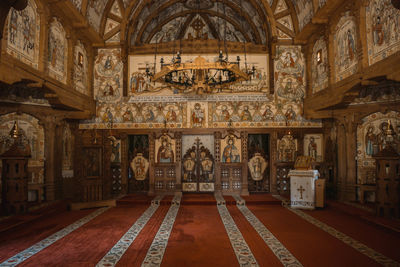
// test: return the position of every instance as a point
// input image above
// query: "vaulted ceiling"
(150, 21)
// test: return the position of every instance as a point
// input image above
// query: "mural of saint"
(268, 113)
(225, 115)
(171, 115)
(197, 116)
(246, 115)
(165, 152)
(107, 116)
(230, 153)
(370, 141)
(127, 116)
(290, 113)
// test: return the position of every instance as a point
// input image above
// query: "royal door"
(198, 168)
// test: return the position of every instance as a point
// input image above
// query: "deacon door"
(198, 168)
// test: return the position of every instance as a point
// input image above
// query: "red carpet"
(26, 235)
(309, 244)
(198, 237)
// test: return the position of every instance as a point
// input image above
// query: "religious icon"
(188, 165)
(230, 153)
(257, 166)
(197, 116)
(165, 152)
(246, 115)
(140, 165)
(312, 148)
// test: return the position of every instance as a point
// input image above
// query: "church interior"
(200, 132)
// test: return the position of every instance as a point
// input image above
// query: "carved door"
(198, 169)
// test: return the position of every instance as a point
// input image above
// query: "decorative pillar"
(217, 162)
(245, 184)
(152, 138)
(178, 165)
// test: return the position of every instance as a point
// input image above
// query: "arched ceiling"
(149, 21)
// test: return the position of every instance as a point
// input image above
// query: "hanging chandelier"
(201, 76)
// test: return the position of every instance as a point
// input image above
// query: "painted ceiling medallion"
(199, 4)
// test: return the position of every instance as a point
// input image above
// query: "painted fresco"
(383, 30)
(287, 149)
(57, 52)
(67, 148)
(108, 71)
(23, 34)
(140, 84)
(345, 47)
(141, 115)
(32, 133)
(313, 146)
(115, 10)
(372, 138)
(95, 12)
(165, 149)
(169, 31)
(77, 4)
(206, 140)
(80, 74)
(231, 149)
(289, 74)
(304, 10)
(319, 69)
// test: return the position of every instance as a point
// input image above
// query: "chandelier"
(201, 76)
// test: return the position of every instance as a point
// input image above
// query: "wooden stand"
(15, 179)
(387, 183)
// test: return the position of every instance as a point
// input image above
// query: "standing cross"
(301, 190)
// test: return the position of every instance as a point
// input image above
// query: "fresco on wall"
(23, 34)
(319, 69)
(231, 149)
(32, 132)
(57, 52)
(345, 47)
(80, 74)
(304, 10)
(77, 4)
(115, 9)
(165, 149)
(313, 146)
(140, 84)
(108, 71)
(383, 30)
(95, 12)
(289, 73)
(371, 138)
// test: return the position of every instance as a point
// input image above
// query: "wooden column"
(273, 160)
(351, 152)
(125, 164)
(51, 177)
(342, 162)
